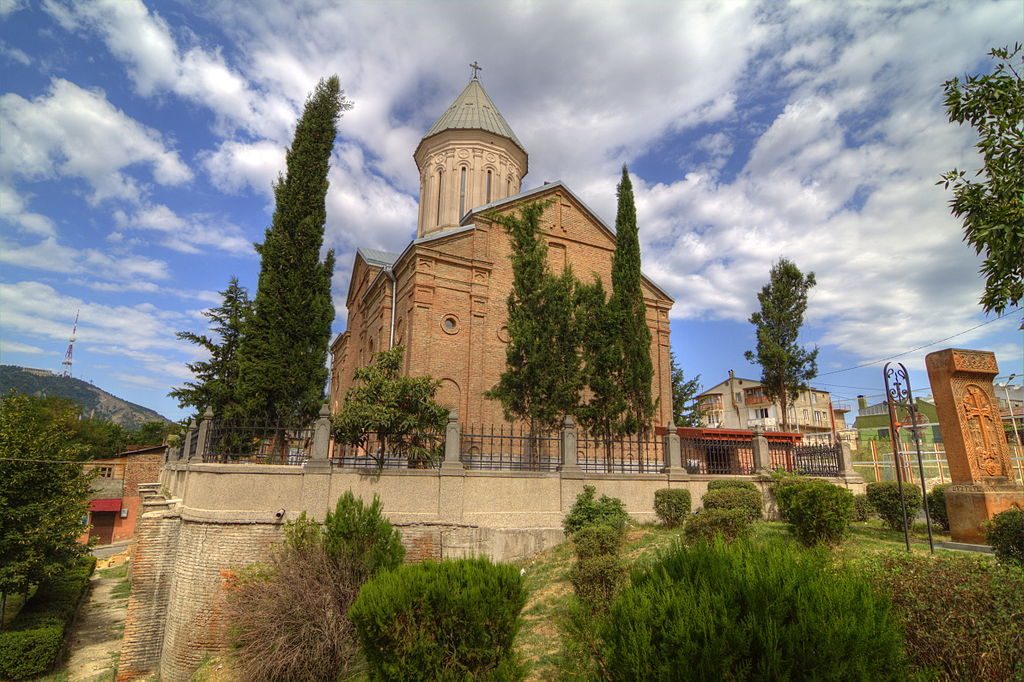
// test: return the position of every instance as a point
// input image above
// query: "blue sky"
(139, 141)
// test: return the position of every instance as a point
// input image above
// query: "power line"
(912, 350)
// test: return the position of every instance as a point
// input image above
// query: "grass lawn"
(547, 578)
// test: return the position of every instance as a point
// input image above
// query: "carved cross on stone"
(979, 420)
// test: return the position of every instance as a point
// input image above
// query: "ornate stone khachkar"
(976, 446)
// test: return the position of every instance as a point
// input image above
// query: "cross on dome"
(476, 67)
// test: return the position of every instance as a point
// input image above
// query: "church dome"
(474, 110)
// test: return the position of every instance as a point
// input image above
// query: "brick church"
(444, 296)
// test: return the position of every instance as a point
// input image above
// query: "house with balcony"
(739, 403)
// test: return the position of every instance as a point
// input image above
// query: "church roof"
(377, 257)
(474, 110)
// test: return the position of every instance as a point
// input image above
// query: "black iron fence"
(780, 454)
(413, 451)
(630, 454)
(510, 448)
(716, 457)
(230, 442)
(817, 460)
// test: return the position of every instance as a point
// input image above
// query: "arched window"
(440, 189)
(508, 186)
(488, 187)
(462, 193)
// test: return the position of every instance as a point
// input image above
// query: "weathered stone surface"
(972, 432)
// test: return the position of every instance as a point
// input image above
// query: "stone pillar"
(846, 470)
(674, 454)
(186, 446)
(762, 453)
(972, 432)
(204, 434)
(452, 444)
(316, 471)
(568, 446)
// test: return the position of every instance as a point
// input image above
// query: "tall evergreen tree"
(283, 355)
(216, 384)
(637, 372)
(541, 381)
(602, 360)
(786, 366)
(685, 408)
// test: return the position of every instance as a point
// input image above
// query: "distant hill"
(95, 402)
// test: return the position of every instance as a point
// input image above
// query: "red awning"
(110, 505)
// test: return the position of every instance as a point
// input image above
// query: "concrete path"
(95, 638)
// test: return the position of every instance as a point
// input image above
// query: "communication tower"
(66, 363)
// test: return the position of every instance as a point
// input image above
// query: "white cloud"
(193, 235)
(51, 256)
(13, 210)
(8, 347)
(13, 53)
(76, 133)
(238, 166)
(8, 7)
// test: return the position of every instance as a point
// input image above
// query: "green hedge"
(30, 645)
(672, 505)
(750, 501)
(885, 498)
(587, 511)
(719, 484)
(862, 509)
(820, 513)
(937, 506)
(1005, 532)
(766, 611)
(706, 525)
(452, 620)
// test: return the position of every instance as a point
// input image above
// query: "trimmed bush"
(672, 505)
(862, 509)
(961, 614)
(452, 620)
(586, 511)
(783, 488)
(728, 524)
(30, 645)
(289, 616)
(820, 513)
(1005, 532)
(885, 498)
(721, 483)
(599, 571)
(768, 611)
(937, 506)
(750, 501)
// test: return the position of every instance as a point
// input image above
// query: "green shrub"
(721, 483)
(1005, 532)
(30, 645)
(750, 501)
(452, 620)
(358, 536)
(937, 506)
(771, 611)
(672, 505)
(820, 513)
(783, 487)
(962, 615)
(706, 525)
(599, 570)
(289, 617)
(586, 511)
(885, 498)
(862, 509)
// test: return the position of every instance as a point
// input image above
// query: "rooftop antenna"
(66, 363)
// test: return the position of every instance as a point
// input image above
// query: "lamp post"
(1005, 385)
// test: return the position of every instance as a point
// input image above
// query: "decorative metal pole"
(920, 464)
(893, 395)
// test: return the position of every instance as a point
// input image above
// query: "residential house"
(115, 502)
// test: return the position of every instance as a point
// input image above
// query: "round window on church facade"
(503, 334)
(450, 324)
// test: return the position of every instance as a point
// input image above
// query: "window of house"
(105, 472)
(883, 434)
(936, 434)
(739, 397)
(488, 187)
(762, 412)
(462, 193)
(806, 416)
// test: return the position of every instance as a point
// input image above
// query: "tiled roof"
(474, 110)
(377, 257)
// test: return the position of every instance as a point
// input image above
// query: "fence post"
(186, 450)
(204, 433)
(319, 458)
(673, 450)
(761, 450)
(452, 443)
(845, 455)
(568, 450)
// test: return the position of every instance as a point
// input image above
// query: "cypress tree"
(284, 349)
(541, 381)
(637, 372)
(216, 384)
(602, 361)
(786, 366)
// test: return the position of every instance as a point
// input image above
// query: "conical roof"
(474, 110)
